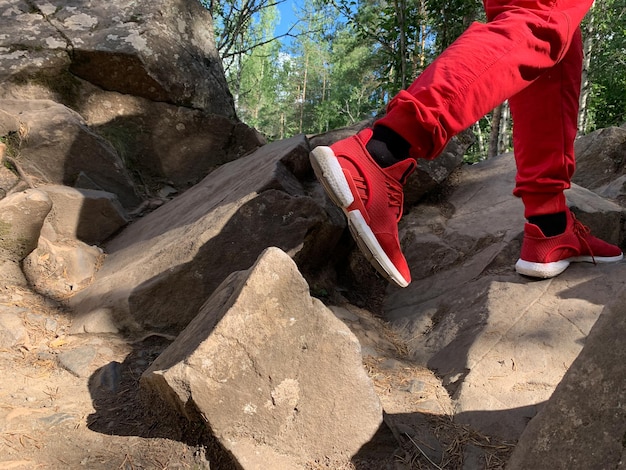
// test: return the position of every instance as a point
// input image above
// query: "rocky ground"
(74, 401)
(53, 415)
(502, 343)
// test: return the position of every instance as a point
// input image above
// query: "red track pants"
(529, 52)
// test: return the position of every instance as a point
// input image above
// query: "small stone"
(167, 191)
(416, 386)
(44, 356)
(97, 321)
(473, 458)
(51, 324)
(77, 361)
(56, 419)
(12, 329)
(430, 406)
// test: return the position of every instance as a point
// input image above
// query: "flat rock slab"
(516, 356)
(277, 377)
(584, 423)
(500, 342)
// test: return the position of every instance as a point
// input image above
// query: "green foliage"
(396, 34)
(346, 58)
(357, 91)
(449, 18)
(7, 162)
(607, 72)
(477, 151)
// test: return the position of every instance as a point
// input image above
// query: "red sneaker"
(546, 257)
(370, 196)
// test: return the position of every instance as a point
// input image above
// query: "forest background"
(338, 62)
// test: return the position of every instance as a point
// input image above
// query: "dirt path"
(72, 401)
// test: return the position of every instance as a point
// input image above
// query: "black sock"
(387, 147)
(550, 224)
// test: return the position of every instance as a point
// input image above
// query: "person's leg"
(545, 124)
(484, 66)
(545, 117)
(487, 64)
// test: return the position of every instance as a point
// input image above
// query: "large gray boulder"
(432, 175)
(159, 50)
(88, 215)
(160, 269)
(144, 75)
(277, 378)
(59, 268)
(66, 257)
(53, 144)
(600, 157)
(164, 142)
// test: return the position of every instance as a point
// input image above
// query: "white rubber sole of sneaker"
(548, 270)
(329, 173)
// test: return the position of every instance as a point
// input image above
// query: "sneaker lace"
(582, 232)
(395, 196)
(361, 187)
(396, 199)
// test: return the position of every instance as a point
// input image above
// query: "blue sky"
(287, 20)
(287, 16)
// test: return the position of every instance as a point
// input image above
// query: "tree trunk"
(479, 138)
(400, 7)
(495, 132)
(304, 80)
(504, 137)
(282, 126)
(419, 52)
(585, 85)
